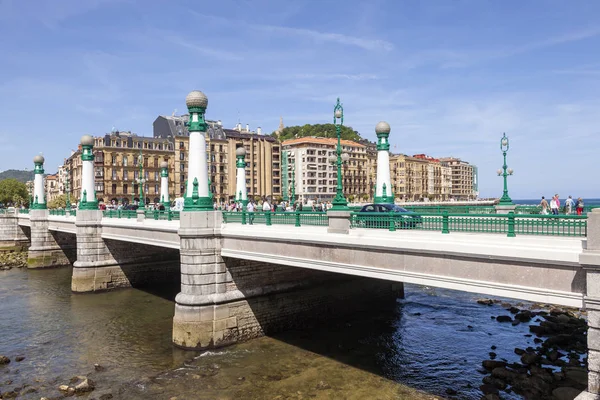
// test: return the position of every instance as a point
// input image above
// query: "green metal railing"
(162, 215)
(24, 211)
(296, 218)
(510, 224)
(452, 209)
(61, 212)
(129, 214)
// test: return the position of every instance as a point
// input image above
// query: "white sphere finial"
(164, 164)
(382, 127)
(87, 140)
(39, 159)
(196, 99)
(240, 151)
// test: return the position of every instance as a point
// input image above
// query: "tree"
(59, 202)
(318, 130)
(12, 191)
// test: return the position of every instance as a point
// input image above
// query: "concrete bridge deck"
(535, 268)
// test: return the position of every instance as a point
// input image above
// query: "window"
(125, 189)
(155, 175)
(125, 162)
(124, 175)
(114, 174)
(181, 156)
(181, 167)
(114, 159)
(155, 189)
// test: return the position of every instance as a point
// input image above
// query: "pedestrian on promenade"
(579, 206)
(569, 204)
(250, 207)
(544, 205)
(554, 205)
(266, 206)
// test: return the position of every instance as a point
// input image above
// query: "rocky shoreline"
(12, 259)
(555, 369)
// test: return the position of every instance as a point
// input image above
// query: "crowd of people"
(274, 206)
(571, 206)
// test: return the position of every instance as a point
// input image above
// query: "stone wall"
(12, 236)
(48, 249)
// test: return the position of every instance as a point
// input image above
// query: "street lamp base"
(383, 200)
(88, 205)
(505, 201)
(198, 204)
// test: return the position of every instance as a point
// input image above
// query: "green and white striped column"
(383, 188)
(241, 193)
(197, 196)
(39, 195)
(87, 200)
(164, 185)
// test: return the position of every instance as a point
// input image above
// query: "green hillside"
(20, 175)
(318, 130)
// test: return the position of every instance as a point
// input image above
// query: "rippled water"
(432, 340)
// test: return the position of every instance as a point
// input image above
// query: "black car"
(403, 217)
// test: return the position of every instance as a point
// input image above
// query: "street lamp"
(333, 159)
(339, 202)
(505, 200)
(141, 181)
(68, 205)
(292, 166)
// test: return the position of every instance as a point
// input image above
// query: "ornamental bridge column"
(45, 250)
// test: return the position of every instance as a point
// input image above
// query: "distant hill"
(20, 175)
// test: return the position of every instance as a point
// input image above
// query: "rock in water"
(86, 385)
(503, 318)
(4, 360)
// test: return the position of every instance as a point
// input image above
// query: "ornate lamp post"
(88, 190)
(197, 195)
(505, 200)
(333, 159)
(241, 191)
(39, 197)
(383, 188)
(293, 188)
(164, 185)
(284, 176)
(339, 202)
(141, 181)
(68, 190)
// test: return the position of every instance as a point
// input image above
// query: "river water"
(431, 341)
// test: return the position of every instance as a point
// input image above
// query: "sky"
(449, 76)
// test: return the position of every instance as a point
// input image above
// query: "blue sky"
(449, 76)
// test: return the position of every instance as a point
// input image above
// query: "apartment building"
(52, 187)
(315, 176)
(464, 178)
(263, 163)
(117, 168)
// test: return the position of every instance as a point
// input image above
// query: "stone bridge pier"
(227, 300)
(48, 249)
(104, 264)
(12, 235)
(590, 262)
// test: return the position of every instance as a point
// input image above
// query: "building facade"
(464, 178)
(263, 162)
(117, 168)
(315, 177)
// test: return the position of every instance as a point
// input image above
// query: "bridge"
(240, 280)
(246, 274)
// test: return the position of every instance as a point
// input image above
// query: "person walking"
(266, 206)
(250, 207)
(554, 205)
(544, 205)
(569, 204)
(579, 206)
